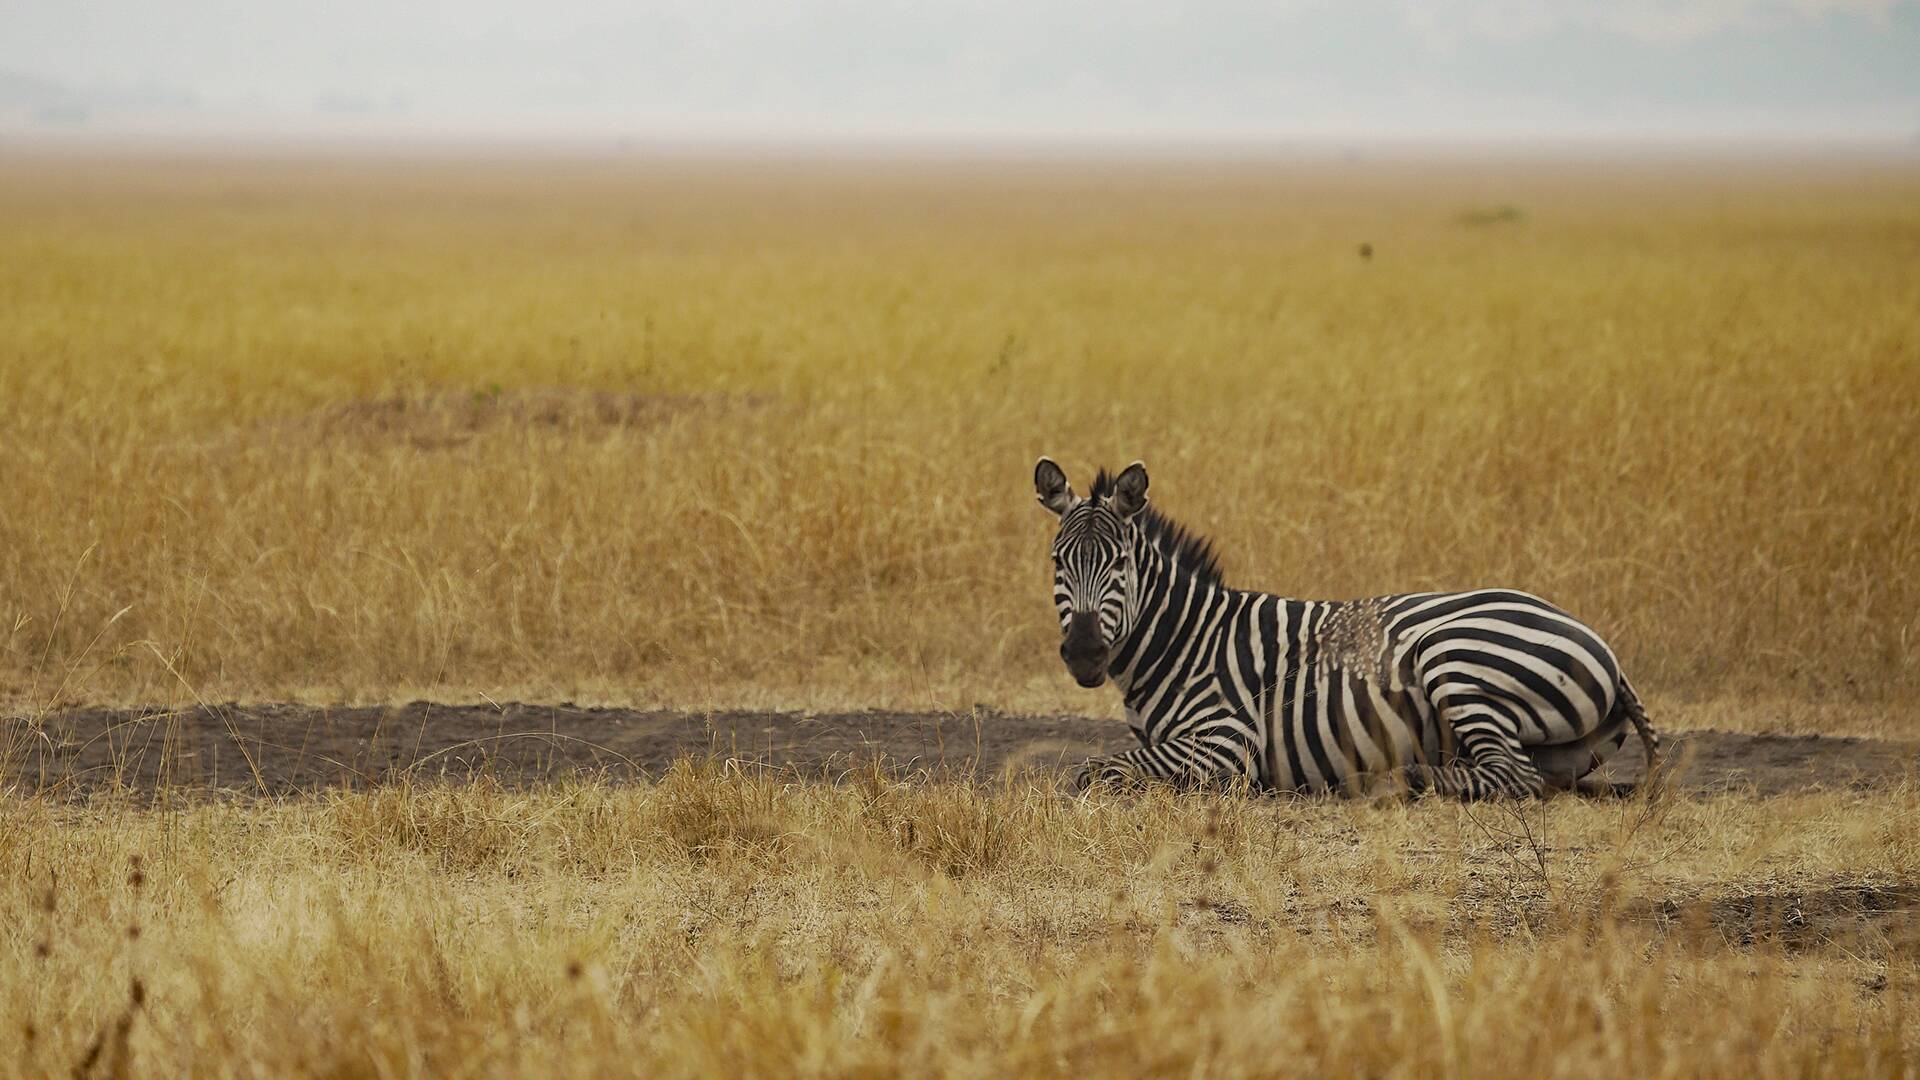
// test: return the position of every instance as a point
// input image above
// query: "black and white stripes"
(1474, 694)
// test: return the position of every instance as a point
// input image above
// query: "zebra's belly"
(1338, 726)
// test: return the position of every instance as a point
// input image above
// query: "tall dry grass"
(703, 433)
(725, 925)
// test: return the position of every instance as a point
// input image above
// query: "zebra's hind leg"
(1498, 766)
(1570, 766)
(1566, 766)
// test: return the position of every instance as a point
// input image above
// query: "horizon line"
(619, 143)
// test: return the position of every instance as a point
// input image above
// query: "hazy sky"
(1211, 68)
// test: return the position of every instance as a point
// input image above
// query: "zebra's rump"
(1509, 655)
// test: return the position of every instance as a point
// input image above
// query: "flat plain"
(324, 481)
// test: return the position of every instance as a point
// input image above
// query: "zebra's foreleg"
(1186, 762)
(1497, 766)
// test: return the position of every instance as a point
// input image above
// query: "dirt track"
(281, 749)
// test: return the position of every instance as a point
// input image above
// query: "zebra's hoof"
(1082, 779)
(1096, 774)
(1416, 780)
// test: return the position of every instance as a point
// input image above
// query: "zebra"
(1482, 694)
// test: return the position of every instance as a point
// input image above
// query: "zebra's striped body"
(1473, 694)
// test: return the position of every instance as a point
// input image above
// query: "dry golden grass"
(701, 433)
(720, 925)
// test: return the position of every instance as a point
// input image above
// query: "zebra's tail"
(1629, 706)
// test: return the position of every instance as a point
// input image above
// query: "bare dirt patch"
(279, 749)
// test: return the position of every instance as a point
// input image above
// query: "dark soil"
(282, 749)
(1864, 918)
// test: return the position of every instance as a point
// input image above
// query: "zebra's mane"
(1181, 545)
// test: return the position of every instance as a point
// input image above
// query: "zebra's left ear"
(1130, 490)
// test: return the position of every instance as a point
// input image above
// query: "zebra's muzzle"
(1085, 651)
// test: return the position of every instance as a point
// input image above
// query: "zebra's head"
(1094, 577)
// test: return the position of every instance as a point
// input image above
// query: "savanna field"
(747, 433)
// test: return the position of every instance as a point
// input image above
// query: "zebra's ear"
(1050, 487)
(1130, 490)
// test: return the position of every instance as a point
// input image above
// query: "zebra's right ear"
(1050, 487)
(1130, 490)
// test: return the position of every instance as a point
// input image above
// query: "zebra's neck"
(1174, 604)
